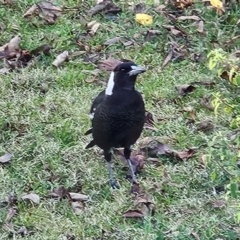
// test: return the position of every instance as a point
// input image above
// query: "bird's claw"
(114, 184)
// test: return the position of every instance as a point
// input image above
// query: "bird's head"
(123, 76)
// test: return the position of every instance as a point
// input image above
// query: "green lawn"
(44, 115)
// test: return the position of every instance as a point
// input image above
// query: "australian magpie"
(118, 115)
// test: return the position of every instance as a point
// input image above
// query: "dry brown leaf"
(45, 49)
(135, 188)
(91, 80)
(167, 59)
(157, 149)
(185, 154)
(32, 197)
(78, 207)
(49, 11)
(78, 196)
(206, 101)
(200, 26)
(112, 41)
(12, 48)
(94, 28)
(108, 64)
(151, 34)
(133, 214)
(219, 204)
(205, 126)
(6, 158)
(60, 192)
(191, 111)
(32, 10)
(11, 213)
(145, 203)
(149, 122)
(185, 89)
(106, 6)
(182, 18)
(137, 161)
(60, 59)
(183, 3)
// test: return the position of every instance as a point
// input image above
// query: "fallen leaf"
(219, 204)
(137, 161)
(191, 111)
(140, 8)
(60, 192)
(203, 159)
(183, 3)
(149, 122)
(144, 19)
(135, 188)
(6, 158)
(45, 49)
(200, 26)
(127, 42)
(12, 48)
(49, 11)
(217, 4)
(94, 28)
(91, 80)
(32, 197)
(185, 89)
(167, 59)
(185, 154)
(206, 101)
(145, 203)
(78, 196)
(182, 18)
(106, 6)
(60, 59)
(174, 30)
(78, 207)
(205, 126)
(11, 213)
(32, 10)
(133, 214)
(112, 41)
(156, 149)
(151, 34)
(108, 64)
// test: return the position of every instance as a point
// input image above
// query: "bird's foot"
(114, 184)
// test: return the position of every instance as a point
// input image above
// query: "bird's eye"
(122, 69)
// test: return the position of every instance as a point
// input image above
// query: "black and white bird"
(118, 115)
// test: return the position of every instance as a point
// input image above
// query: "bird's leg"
(127, 153)
(108, 156)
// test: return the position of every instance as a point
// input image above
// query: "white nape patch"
(91, 115)
(110, 85)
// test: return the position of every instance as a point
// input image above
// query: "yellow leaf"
(217, 4)
(144, 19)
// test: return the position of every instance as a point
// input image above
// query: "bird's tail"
(88, 131)
(91, 144)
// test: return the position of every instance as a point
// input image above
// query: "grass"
(45, 132)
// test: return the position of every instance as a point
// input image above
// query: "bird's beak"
(136, 70)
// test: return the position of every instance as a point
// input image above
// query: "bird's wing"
(96, 102)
